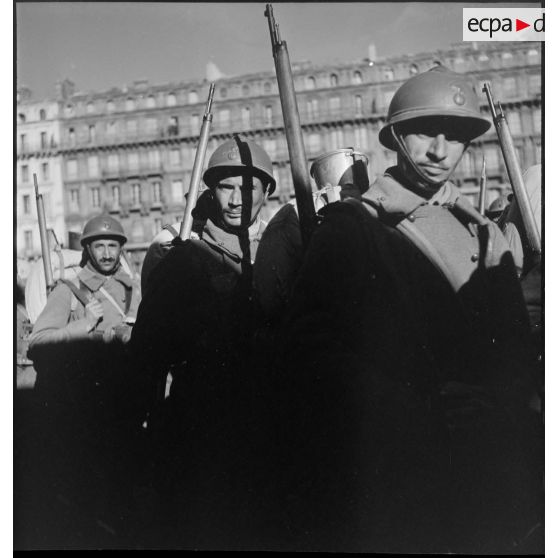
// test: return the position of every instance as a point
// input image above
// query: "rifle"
(291, 119)
(45, 248)
(482, 193)
(192, 195)
(514, 173)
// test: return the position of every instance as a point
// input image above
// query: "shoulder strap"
(171, 229)
(80, 294)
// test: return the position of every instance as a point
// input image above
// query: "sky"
(99, 45)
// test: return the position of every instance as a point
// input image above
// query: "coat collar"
(94, 280)
(230, 243)
(389, 195)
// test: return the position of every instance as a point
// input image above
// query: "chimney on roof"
(65, 88)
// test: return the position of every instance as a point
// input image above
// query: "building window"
(157, 225)
(270, 147)
(28, 240)
(116, 196)
(154, 158)
(26, 204)
(95, 197)
(176, 190)
(72, 136)
(224, 117)
(507, 58)
(93, 166)
(156, 189)
(21, 118)
(514, 122)
(130, 104)
(151, 125)
(74, 199)
(389, 74)
(413, 69)
(537, 120)
(136, 194)
(131, 128)
(133, 161)
(175, 157)
(110, 106)
(334, 104)
(358, 105)
(90, 108)
(336, 138)
(23, 142)
(111, 128)
(42, 114)
(533, 56)
(246, 117)
(112, 162)
(72, 168)
(333, 80)
(24, 173)
(534, 84)
(45, 171)
(357, 77)
(91, 133)
(193, 97)
(151, 101)
(195, 122)
(310, 82)
(388, 96)
(173, 126)
(268, 115)
(312, 108)
(171, 100)
(245, 90)
(492, 159)
(223, 92)
(509, 85)
(44, 141)
(361, 138)
(69, 110)
(314, 142)
(267, 87)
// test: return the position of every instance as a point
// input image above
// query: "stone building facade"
(129, 151)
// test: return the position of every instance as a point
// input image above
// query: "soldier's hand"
(93, 313)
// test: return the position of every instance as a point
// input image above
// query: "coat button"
(475, 258)
(411, 218)
(382, 198)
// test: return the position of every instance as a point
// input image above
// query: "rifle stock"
(293, 131)
(45, 248)
(192, 196)
(514, 172)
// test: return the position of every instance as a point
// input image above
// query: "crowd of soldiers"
(380, 390)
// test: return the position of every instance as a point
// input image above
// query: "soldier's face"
(436, 147)
(105, 254)
(239, 200)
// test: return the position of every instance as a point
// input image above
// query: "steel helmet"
(240, 153)
(339, 167)
(499, 204)
(437, 92)
(102, 226)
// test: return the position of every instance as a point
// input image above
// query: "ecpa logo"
(503, 24)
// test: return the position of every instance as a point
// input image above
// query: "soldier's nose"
(236, 197)
(438, 147)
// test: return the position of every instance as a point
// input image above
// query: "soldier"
(78, 346)
(402, 394)
(339, 174)
(195, 317)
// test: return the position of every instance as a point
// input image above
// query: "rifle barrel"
(482, 193)
(45, 248)
(293, 131)
(192, 196)
(514, 173)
